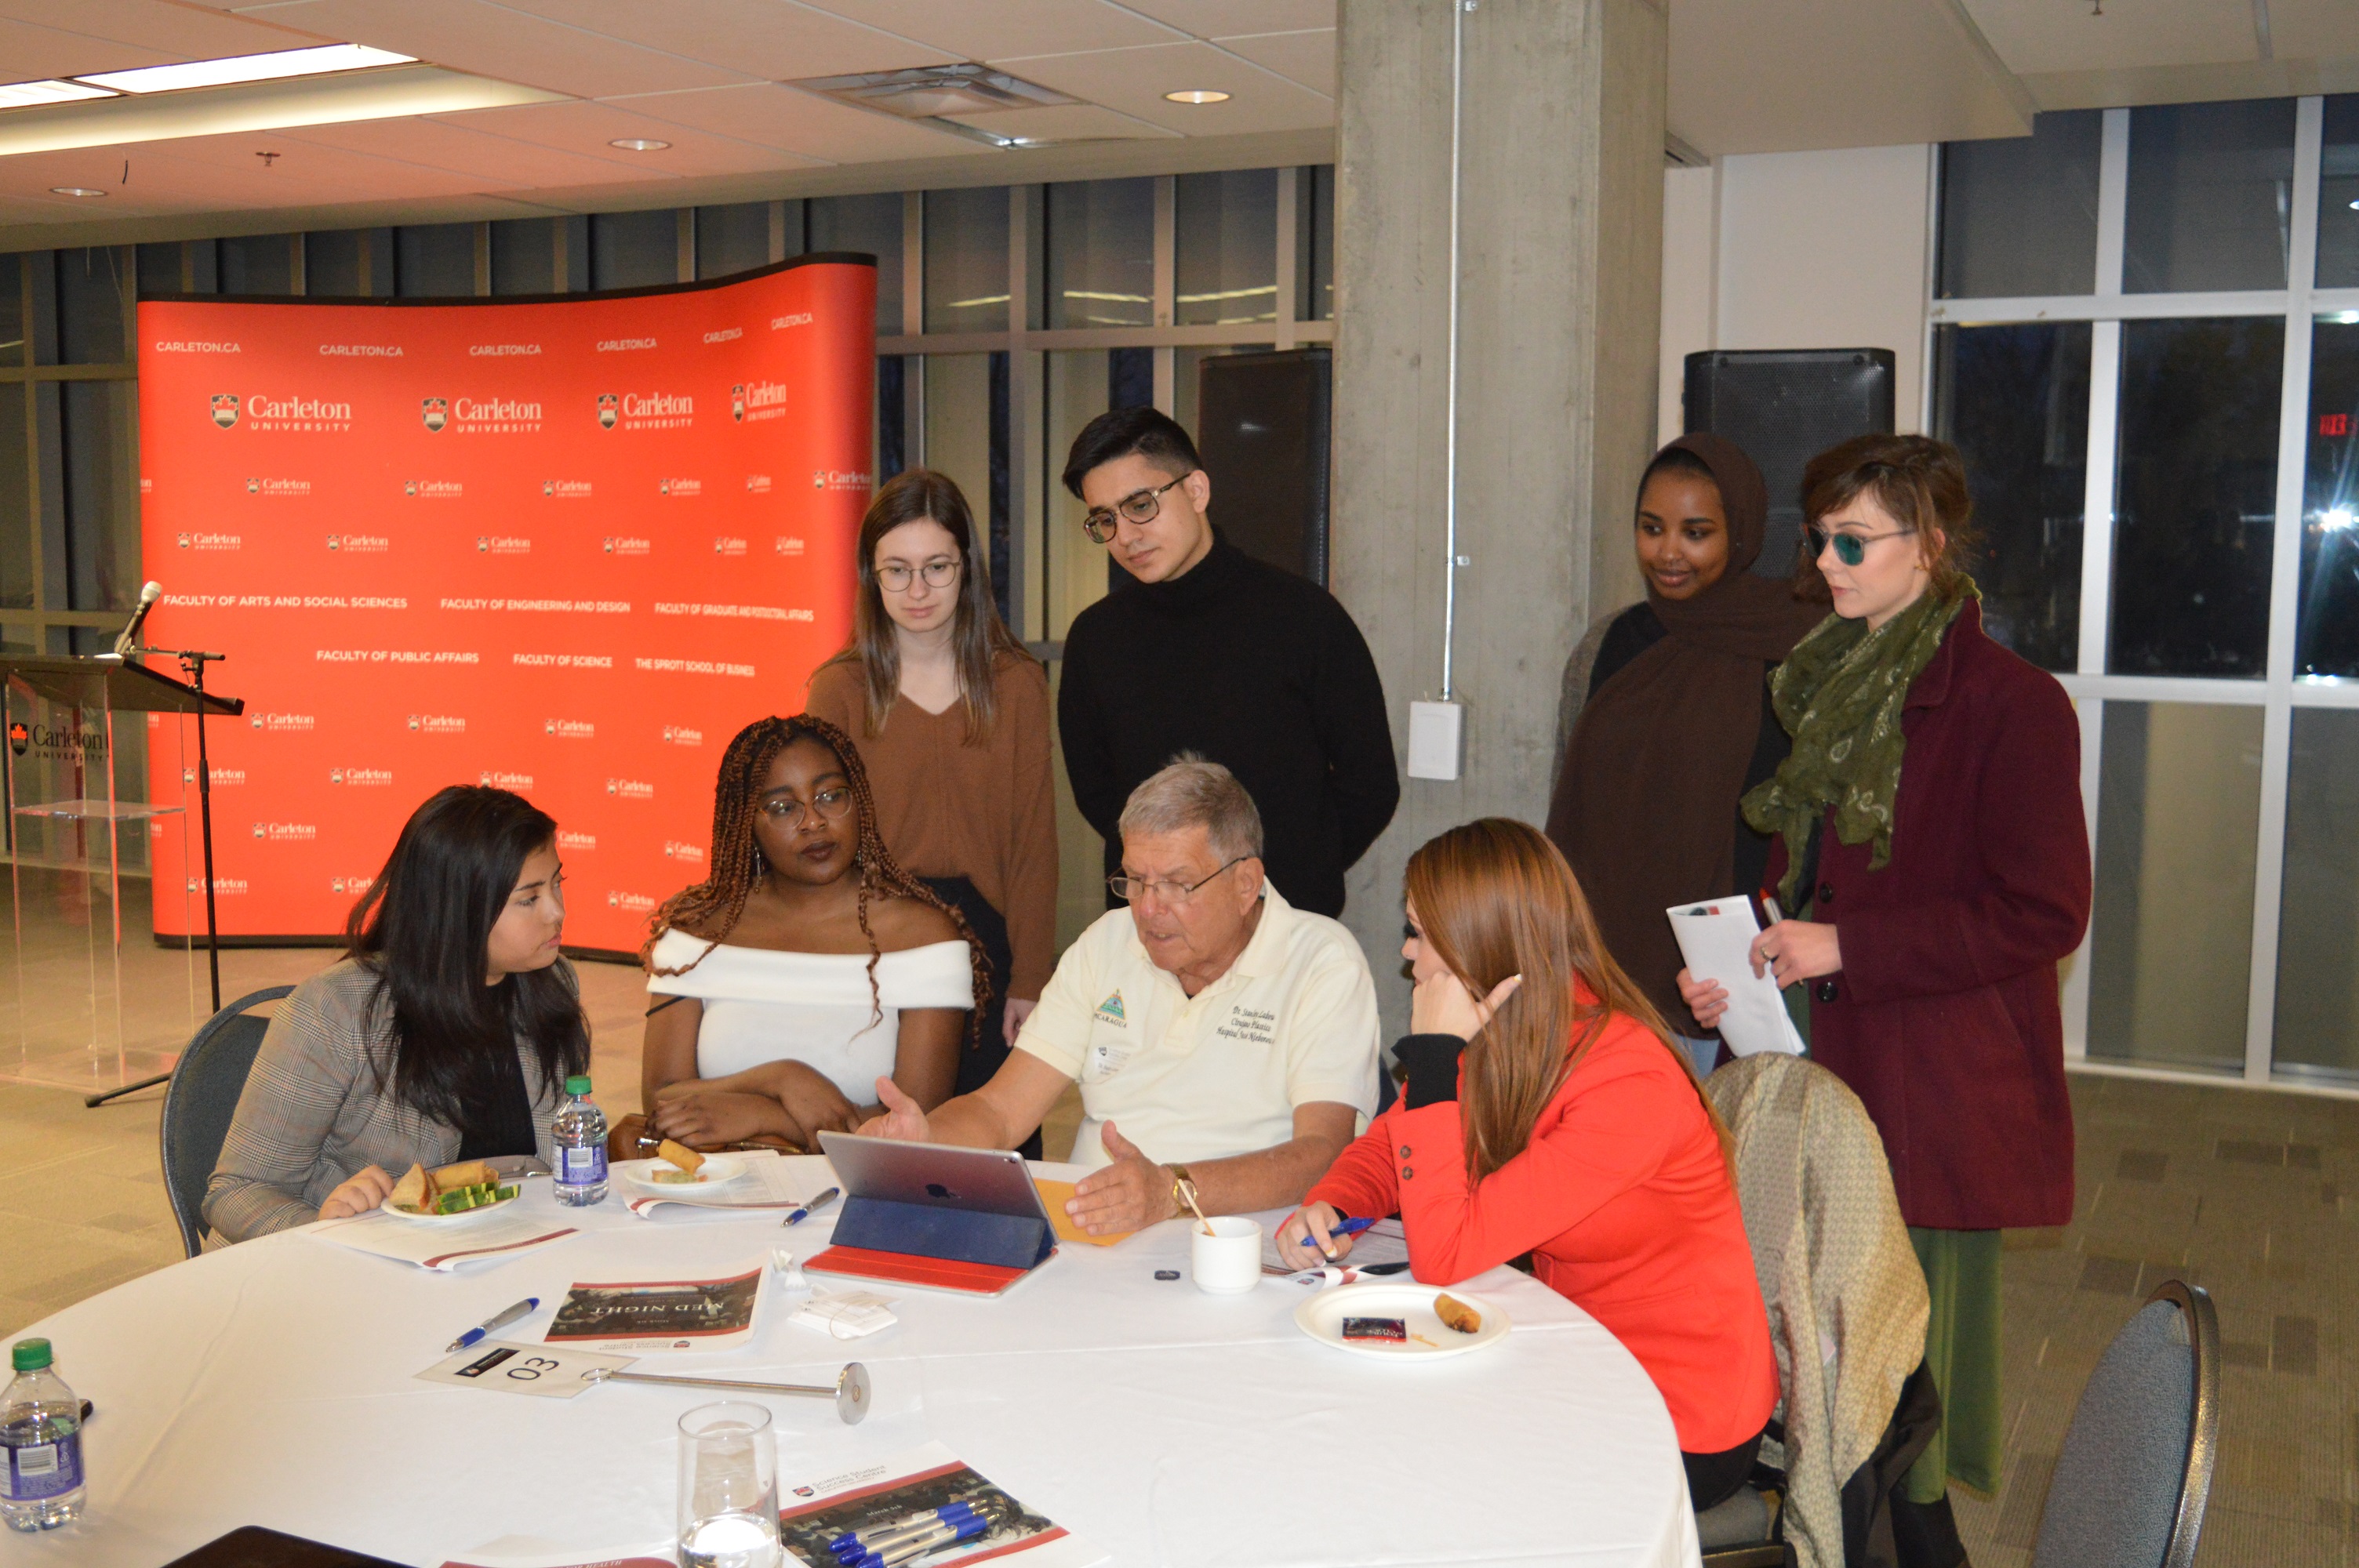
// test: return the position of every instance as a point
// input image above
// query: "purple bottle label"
(580, 1167)
(38, 1471)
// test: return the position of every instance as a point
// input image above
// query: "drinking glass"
(728, 1487)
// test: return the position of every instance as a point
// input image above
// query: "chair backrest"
(199, 1102)
(2135, 1470)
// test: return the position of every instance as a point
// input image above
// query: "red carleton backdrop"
(567, 547)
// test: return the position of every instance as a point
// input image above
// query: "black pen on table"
(813, 1207)
(493, 1324)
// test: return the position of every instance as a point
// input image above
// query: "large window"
(2145, 339)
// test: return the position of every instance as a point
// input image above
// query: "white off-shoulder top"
(761, 1005)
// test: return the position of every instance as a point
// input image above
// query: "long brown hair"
(978, 636)
(1495, 898)
(715, 904)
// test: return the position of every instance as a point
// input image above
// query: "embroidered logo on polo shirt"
(1251, 1024)
(1111, 1010)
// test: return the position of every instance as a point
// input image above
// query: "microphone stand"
(193, 661)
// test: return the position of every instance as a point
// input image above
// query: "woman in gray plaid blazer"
(445, 1033)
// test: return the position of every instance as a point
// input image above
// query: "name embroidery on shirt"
(1249, 1023)
(1111, 1010)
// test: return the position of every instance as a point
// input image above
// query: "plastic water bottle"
(41, 1430)
(579, 1136)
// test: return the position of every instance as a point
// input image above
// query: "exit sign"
(2335, 423)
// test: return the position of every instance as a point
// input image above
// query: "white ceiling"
(703, 75)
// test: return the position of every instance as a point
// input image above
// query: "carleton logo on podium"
(436, 411)
(225, 407)
(610, 408)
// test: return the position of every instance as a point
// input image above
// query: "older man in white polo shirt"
(1222, 1037)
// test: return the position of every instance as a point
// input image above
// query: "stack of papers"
(442, 1247)
(1716, 939)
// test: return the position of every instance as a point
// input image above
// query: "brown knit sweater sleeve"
(1031, 846)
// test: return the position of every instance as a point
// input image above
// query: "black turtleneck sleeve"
(1255, 668)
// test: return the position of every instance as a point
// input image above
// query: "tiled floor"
(2253, 1195)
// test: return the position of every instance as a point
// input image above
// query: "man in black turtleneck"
(1215, 652)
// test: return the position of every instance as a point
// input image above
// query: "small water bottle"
(41, 1429)
(578, 1135)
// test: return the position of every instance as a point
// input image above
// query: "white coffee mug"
(1228, 1261)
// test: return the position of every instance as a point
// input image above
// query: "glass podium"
(87, 1000)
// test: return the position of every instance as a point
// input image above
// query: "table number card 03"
(541, 1371)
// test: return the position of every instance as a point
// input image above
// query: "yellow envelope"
(1055, 1195)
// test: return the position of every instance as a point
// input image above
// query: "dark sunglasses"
(1848, 548)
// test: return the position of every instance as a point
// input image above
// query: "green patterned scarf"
(1839, 693)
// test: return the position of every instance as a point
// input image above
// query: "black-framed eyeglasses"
(1848, 548)
(1130, 890)
(940, 572)
(1139, 507)
(833, 805)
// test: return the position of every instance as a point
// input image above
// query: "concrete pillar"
(1561, 204)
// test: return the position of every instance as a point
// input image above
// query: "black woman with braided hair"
(808, 966)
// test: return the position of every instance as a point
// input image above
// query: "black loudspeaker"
(1263, 428)
(1784, 407)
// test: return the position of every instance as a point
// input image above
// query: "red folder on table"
(941, 1218)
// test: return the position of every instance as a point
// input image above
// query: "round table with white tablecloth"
(274, 1383)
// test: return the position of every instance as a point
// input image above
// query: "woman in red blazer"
(1932, 840)
(1572, 1130)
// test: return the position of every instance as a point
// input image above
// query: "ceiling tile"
(773, 38)
(1066, 121)
(1307, 58)
(1134, 81)
(2314, 29)
(493, 40)
(1222, 18)
(209, 174)
(1009, 26)
(174, 31)
(2040, 36)
(800, 122)
(587, 129)
(35, 53)
(498, 161)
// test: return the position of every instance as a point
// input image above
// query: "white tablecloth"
(273, 1383)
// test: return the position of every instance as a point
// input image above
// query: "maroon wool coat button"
(1826, 991)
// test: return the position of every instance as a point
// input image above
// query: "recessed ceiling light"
(85, 191)
(18, 94)
(2355, 207)
(1198, 96)
(639, 144)
(268, 67)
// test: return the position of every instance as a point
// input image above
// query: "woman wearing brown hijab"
(1678, 724)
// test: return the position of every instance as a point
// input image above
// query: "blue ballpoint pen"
(813, 1207)
(524, 1308)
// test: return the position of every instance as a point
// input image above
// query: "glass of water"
(728, 1487)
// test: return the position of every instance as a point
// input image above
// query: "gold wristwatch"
(1183, 1190)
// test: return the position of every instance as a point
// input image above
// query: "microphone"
(130, 637)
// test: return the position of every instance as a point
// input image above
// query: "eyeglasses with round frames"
(1848, 548)
(1141, 506)
(832, 806)
(1130, 890)
(940, 572)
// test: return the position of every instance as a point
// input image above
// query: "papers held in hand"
(1716, 940)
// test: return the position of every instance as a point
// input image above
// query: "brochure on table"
(874, 1497)
(496, 1236)
(660, 1315)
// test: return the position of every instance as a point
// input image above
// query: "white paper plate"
(718, 1171)
(460, 1218)
(1321, 1317)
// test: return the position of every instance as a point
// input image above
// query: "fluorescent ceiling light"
(17, 94)
(639, 144)
(272, 67)
(81, 190)
(1198, 96)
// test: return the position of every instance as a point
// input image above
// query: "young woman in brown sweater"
(952, 716)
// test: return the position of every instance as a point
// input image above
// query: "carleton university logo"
(410, 487)
(225, 409)
(737, 402)
(548, 487)
(19, 736)
(254, 487)
(436, 411)
(610, 408)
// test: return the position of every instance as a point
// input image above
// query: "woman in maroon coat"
(1933, 843)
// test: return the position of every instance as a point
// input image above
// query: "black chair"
(2135, 1470)
(199, 1102)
